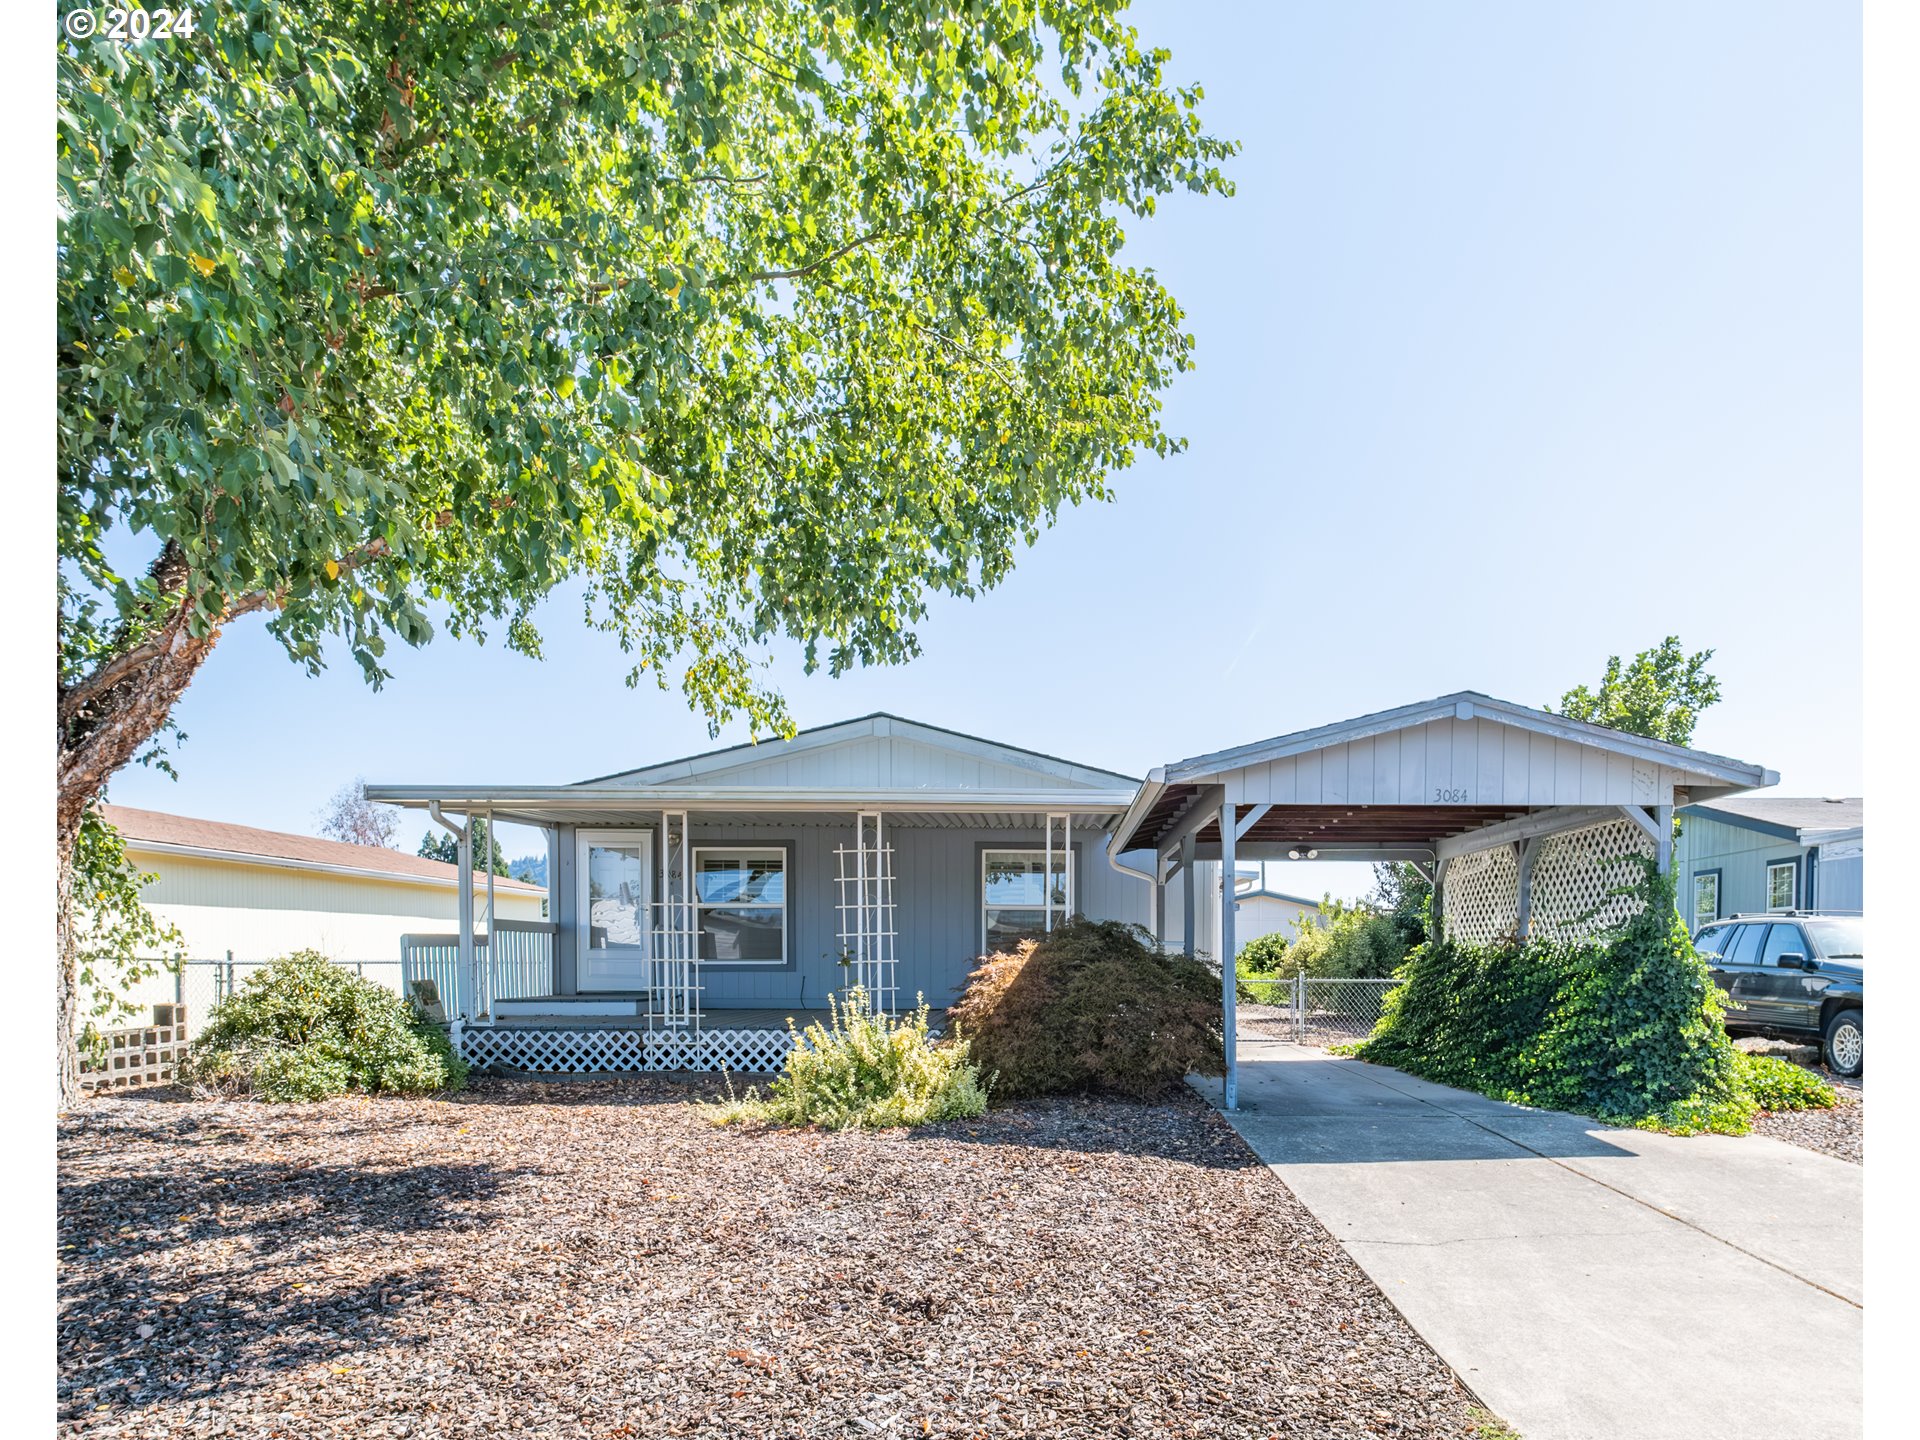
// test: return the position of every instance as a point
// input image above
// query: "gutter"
(1144, 800)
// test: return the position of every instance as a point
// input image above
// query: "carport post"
(1230, 1097)
(1663, 847)
(1186, 879)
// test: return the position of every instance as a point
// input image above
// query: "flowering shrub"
(868, 1070)
(303, 1028)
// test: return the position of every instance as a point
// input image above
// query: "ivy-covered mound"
(865, 1070)
(1626, 1027)
(303, 1028)
(1094, 1006)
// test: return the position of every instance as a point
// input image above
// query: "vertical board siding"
(936, 908)
(1741, 856)
(1478, 761)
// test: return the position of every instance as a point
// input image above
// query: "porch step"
(570, 1007)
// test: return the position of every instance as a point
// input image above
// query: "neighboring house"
(1261, 911)
(255, 894)
(1769, 852)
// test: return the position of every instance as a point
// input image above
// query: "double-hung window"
(740, 893)
(1780, 884)
(1019, 898)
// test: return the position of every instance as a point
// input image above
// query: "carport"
(1518, 816)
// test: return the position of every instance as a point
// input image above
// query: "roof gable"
(1471, 706)
(884, 752)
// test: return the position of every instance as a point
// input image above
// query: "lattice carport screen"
(1480, 900)
(1579, 877)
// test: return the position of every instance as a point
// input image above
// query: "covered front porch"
(685, 927)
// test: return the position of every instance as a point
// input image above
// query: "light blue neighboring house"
(1748, 853)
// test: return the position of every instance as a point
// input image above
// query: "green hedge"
(1626, 1027)
(303, 1028)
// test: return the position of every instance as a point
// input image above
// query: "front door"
(614, 908)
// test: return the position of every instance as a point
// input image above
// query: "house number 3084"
(1441, 795)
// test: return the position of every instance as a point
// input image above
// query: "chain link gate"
(1304, 1010)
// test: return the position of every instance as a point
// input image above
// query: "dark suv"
(1793, 971)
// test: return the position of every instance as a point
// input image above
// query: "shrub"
(867, 1070)
(1777, 1084)
(303, 1028)
(1347, 942)
(1096, 1005)
(1260, 959)
(1626, 1027)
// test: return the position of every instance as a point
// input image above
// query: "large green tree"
(757, 319)
(1659, 694)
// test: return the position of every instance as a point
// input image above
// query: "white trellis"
(1481, 895)
(1576, 882)
(866, 911)
(1059, 848)
(1577, 876)
(674, 982)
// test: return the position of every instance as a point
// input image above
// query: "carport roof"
(1504, 762)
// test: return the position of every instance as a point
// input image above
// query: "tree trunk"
(99, 732)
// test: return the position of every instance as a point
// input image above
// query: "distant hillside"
(531, 868)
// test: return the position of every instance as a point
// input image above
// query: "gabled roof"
(1265, 894)
(157, 832)
(881, 749)
(1792, 817)
(1466, 705)
(1412, 778)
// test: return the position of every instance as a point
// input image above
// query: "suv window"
(1712, 940)
(1783, 940)
(1745, 947)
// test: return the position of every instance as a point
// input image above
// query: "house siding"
(259, 911)
(936, 907)
(1740, 855)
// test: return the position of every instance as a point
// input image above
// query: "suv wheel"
(1845, 1052)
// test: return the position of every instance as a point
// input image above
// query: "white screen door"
(614, 903)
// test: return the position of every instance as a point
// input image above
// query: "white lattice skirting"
(585, 1050)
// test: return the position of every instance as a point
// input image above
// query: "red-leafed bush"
(1093, 1006)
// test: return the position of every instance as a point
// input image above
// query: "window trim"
(784, 849)
(1718, 886)
(1790, 862)
(1022, 847)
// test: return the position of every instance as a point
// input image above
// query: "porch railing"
(519, 965)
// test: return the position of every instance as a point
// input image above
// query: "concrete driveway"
(1588, 1283)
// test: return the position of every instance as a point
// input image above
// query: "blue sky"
(1532, 336)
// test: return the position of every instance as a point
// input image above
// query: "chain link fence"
(1308, 1011)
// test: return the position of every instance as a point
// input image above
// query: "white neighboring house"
(1260, 911)
(233, 890)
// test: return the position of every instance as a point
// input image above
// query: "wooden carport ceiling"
(1347, 825)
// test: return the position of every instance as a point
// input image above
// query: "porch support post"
(493, 926)
(464, 849)
(1663, 842)
(1159, 903)
(1190, 892)
(1231, 1096)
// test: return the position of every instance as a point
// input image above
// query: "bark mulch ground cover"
(594, 1260)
